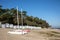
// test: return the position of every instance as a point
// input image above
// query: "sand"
(42, 34)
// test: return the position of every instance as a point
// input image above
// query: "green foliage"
(10, 16)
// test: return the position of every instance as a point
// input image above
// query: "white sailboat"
(19, 31)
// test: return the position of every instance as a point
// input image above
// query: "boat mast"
(17, 18)
(21, 18)
(21, 15)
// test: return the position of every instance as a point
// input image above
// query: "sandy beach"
(42, 34)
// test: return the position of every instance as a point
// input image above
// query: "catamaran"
(19, 31)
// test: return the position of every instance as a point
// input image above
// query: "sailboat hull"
(18, 32)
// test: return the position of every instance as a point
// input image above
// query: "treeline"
(10, 16)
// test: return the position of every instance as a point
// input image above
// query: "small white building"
(3, 25)
(0, 24)
(7, 25)
(11, 25)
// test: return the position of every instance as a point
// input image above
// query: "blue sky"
(48, 10)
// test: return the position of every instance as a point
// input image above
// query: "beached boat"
(19, 31)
